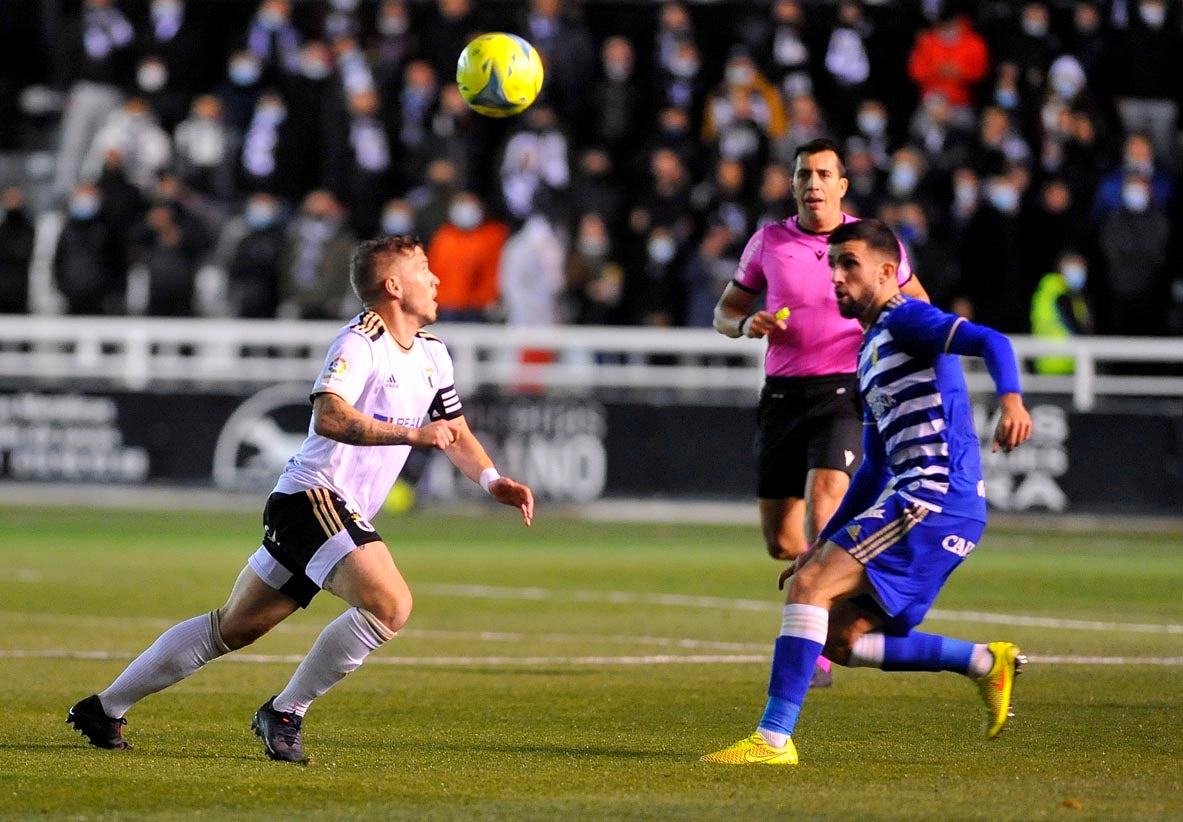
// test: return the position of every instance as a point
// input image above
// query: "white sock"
(179, 652)
(980, 661)
(867, 651)
(775, 739)
(340, 649)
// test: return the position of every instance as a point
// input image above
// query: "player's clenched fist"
(439, 434)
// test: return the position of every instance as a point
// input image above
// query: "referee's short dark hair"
(874, 233)
(369, 255)
(817, 146)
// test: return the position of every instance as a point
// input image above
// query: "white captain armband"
(488, 477)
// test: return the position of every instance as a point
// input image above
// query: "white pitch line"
(722, 603)
(533, 661)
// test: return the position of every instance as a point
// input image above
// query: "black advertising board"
(569, 449)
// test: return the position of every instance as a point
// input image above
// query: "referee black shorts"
(805, 423)
(305, 535)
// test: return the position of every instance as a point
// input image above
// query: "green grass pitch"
(578, 670)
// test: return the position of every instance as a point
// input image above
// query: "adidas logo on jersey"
(390, 382)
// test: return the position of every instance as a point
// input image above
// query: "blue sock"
(793, 661)
(926, 652)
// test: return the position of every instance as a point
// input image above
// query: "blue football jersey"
(915, 396)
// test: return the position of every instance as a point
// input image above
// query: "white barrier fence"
(140, 353)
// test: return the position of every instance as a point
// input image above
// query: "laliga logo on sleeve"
(336, 369)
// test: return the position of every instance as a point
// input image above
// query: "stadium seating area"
(221, 157)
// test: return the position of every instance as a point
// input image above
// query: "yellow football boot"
(753, 750)
(996, 687)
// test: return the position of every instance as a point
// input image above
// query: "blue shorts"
(908, 551)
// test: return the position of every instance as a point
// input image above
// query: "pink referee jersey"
(790, 264)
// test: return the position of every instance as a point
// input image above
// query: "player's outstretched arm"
(1014, 424)
(468, 455)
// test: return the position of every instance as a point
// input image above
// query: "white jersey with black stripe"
(370, 371)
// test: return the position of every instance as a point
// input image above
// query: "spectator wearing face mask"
(207, 149)
(1149, 54)
(1135, 241)
(465, 254)
(1137, 157)
(847, 63)
(314, 269)
(393, 42)
(361, 162)
(594, 278)
(744, 94)
(950, 59)
(272, 158)
(398, 218)
(616, 99)
(135, 134)
(990, 256)
(88, 269)
(655, 296)
(1030, 46)
(535, 166)
(95, 61)
(1060, 309)
(273, 40)
(530, 275)
(872, 126)
(239, 90)
(249, 252)
(178, 37)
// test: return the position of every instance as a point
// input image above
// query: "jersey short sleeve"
(921, 328)
(347, 366)
(749, 275)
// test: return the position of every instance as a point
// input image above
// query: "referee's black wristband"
(744, 320)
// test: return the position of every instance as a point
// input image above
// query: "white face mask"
(466, 216)
(871, 123)
(739, 75)
(1153, 14)
(662, 249)
(392, 25)
(903, 179)
(1136, 197)
(1004, 198)
(1075, 276)
(593, 246)
(152, 76)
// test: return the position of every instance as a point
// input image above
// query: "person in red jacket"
(949, 59)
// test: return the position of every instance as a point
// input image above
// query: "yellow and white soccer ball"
(499, 74)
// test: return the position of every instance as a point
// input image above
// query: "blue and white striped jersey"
(914, 394)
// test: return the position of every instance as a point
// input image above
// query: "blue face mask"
(1004, 198)
(398, 222)
(244, 72)
(259, 216)
(84, 207)
(1007, 98)
(904, 179)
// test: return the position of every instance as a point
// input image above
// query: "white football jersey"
(371, 372)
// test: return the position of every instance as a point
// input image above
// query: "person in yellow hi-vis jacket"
(1060, 309)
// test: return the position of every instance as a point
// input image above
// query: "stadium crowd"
(230, 154)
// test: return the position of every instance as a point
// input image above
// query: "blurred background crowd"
(221, 157)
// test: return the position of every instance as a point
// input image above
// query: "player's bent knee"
(390, 610)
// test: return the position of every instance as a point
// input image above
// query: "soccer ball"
(499, 74)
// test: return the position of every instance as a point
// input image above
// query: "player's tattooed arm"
(336, 419)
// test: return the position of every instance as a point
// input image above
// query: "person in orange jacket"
(465, 254)
(949, 59)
